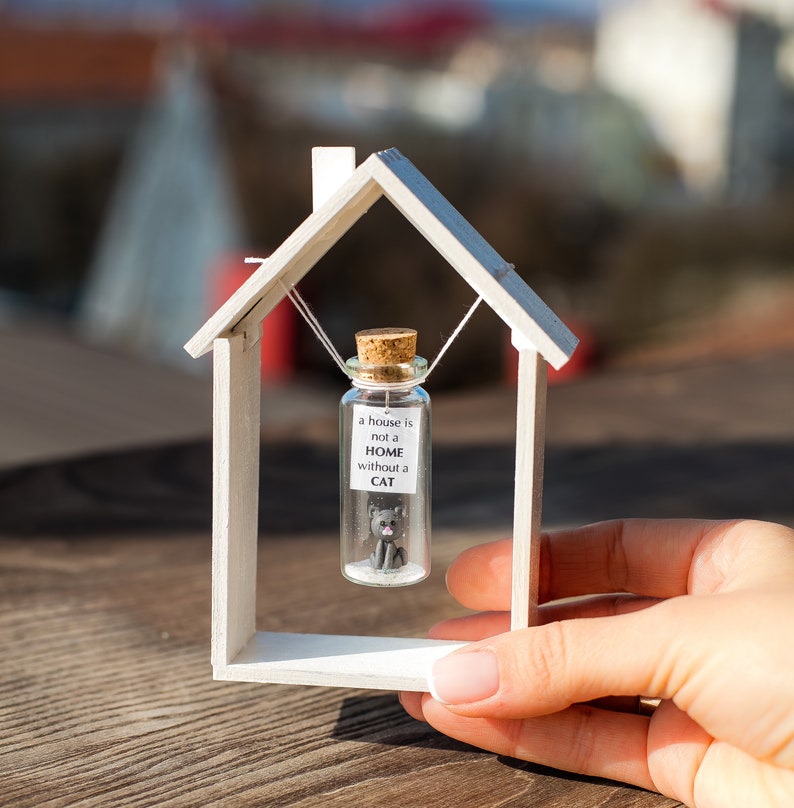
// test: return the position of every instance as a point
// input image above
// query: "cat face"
(387, 523)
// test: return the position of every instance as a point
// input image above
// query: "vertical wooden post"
(530, 442)
(331, 168)
(235, 485)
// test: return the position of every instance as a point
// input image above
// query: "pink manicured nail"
(462, 678)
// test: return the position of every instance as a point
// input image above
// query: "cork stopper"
(385, 354)
(386, 346)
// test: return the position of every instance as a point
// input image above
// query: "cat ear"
(373, 509)
(399, 511)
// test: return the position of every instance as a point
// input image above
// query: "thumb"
(544, 669)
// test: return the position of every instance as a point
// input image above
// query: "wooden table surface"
(108, 697)
(107, 694)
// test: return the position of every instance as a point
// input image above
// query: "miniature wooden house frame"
(342, 194)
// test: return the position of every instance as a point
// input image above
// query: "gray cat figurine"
(386, 525)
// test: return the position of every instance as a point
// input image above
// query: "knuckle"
(582, 738)
(546, 661)
(617, 562)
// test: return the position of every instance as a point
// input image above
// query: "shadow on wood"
(168, 488)
(379, 719)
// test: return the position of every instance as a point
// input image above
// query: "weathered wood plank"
(106, 695)
(60, 398)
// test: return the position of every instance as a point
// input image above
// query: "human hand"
(700, 615)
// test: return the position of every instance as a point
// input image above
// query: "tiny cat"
(387, 525)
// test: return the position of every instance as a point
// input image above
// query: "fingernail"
(463, 678)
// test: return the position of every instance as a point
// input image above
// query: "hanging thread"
(303, 307)
(454, 335)
(308, 315)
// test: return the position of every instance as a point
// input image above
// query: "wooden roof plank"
(473, 257)
(291, 260)
(389, 173)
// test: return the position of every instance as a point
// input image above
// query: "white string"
(303, 307)
(453, 336)
(305, 311)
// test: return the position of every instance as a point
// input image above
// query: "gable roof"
(389, 174)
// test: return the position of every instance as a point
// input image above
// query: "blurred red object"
(69, 64)
(399, 27)
(278, 329)
(579, 364)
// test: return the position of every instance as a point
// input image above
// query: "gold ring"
(646, 705)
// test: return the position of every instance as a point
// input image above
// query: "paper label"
(385, 449)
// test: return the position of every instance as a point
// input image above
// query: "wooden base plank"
(379, 663)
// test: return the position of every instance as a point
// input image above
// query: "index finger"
(649, 557)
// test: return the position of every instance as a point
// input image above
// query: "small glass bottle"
(384, 430)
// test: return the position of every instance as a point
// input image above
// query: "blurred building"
(715, 82)
(761, 130)
(564, 129)
(69, 99)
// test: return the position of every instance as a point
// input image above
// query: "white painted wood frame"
(342, 194)
(390, 174)
(528, 501)
(235, 494)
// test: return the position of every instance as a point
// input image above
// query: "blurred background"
(633, 158)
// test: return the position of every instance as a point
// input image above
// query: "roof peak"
(388, 173)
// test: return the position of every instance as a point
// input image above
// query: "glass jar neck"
(403, 376)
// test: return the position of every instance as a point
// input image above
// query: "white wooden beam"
(235, 486)
(390, 173)
(530, 442)
(382, 663)
(332, 167)
(473, 257)
(261, 292)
